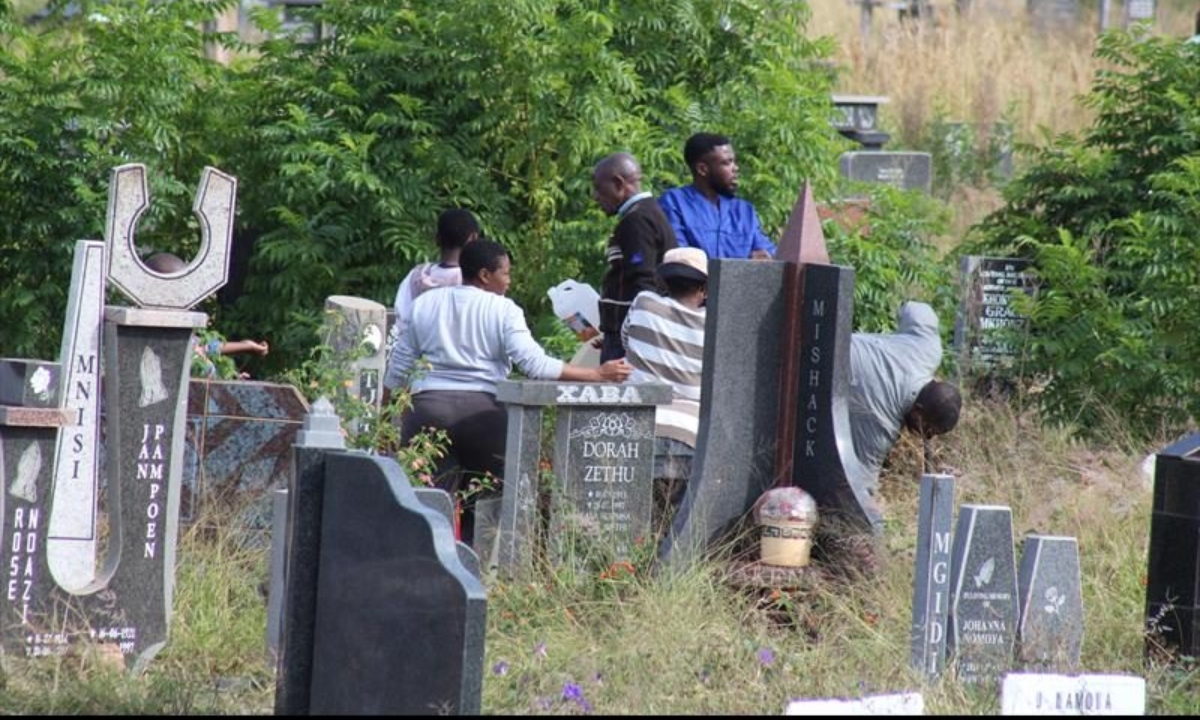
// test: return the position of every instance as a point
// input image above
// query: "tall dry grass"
(985, 66)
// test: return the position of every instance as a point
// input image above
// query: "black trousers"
(476, 425)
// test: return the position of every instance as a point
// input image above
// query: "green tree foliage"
(121, 81)
(890, 248)
(1111, 220)
(358, 141)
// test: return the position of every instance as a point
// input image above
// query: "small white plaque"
(1048, 694)
(899, 704)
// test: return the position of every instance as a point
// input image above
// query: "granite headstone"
(931, 580)
(239, 439)
(27, 437)
(1054, 16)
(983, 610)
(739, 393)
(902, 170)
(1173, 566)
(322, 431)
(355, 328)
(603, 462)
(400, 622)
(1050, 632)
(1138, 11)
(986, 315)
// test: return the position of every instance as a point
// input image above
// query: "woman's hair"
(480, 255)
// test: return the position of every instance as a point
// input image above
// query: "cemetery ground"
(617, 639)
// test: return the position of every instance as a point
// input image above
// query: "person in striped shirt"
(664, 342)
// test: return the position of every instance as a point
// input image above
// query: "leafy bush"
(122, 81)
(1110, 220)
(891, 250)
(361, 139)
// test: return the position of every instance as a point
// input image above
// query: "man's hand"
(760, 255)
(598, 342)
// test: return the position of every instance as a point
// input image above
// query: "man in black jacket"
(636, 248)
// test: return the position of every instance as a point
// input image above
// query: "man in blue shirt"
(707, 214)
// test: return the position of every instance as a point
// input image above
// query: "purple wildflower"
(766, 656)
(573, 692)
(500, 668)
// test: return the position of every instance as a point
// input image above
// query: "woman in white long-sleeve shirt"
(469, 337)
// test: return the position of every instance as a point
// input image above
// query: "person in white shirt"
(461, 341)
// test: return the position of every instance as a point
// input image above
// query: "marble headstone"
(27, 436)
(29, 383)
(204, 275)
(1050, 633)
(71, 544)
(983, 610)
(1092, 694)
(400, 622)
(931, 579)
(239, 439)
(902, 170)
(355, 327)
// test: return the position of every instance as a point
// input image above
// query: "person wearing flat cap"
(664, 342)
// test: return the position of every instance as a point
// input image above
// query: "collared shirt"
(629, 203)
(728, 229)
